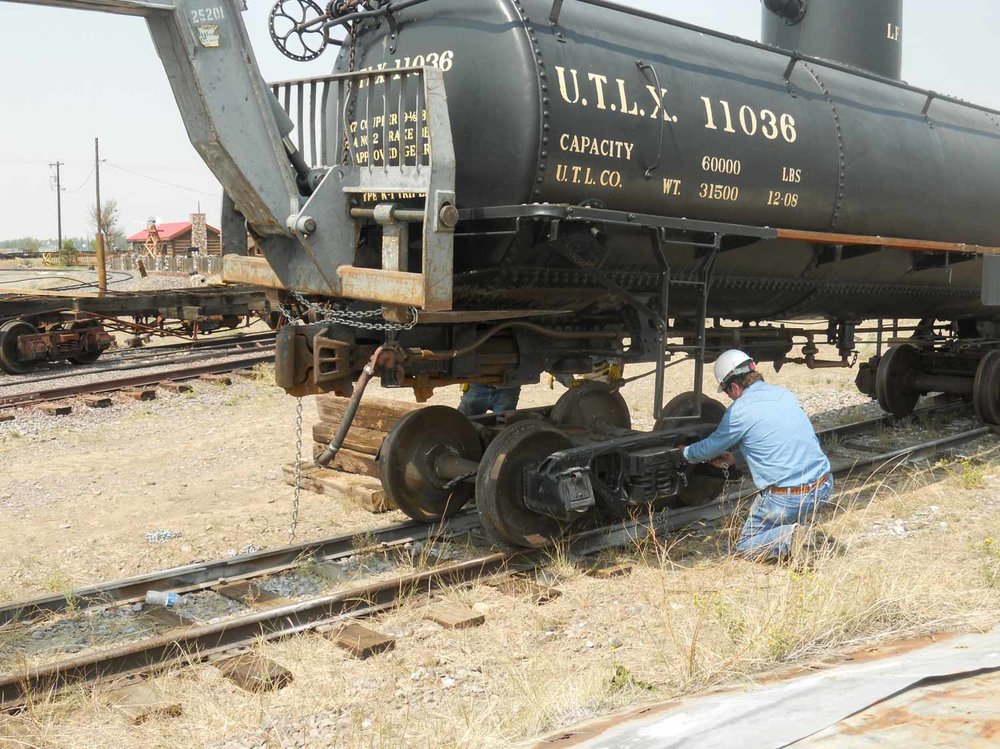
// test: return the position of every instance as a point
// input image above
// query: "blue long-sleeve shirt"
(771, 434)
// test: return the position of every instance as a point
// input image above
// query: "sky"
(68, 76)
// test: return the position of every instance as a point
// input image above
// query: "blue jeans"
(767, 533)
(479, 399)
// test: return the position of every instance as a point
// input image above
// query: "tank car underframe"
(535, 476)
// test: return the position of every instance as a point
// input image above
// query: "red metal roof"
(167, 231)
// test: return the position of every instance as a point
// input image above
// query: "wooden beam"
(895, 243)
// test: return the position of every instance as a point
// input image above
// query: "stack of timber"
(354, 472)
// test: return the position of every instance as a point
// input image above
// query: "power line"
(82, 184)
(160, 181)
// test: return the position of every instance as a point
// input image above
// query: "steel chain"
(354, 319)
(348, 90)
(298, 471)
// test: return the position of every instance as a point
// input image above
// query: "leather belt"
(805, 489)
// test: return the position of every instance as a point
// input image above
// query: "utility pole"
(102, 270)
(57, 165)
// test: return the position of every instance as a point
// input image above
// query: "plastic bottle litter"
(159, 598)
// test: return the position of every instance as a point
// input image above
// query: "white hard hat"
(733, 362)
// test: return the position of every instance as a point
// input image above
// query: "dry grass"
(689, 617)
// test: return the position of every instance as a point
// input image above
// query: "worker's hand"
(726, 459)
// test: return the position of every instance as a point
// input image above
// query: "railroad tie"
(139, 701)
(254, 673)
(6, 417)
(167, 617)
(143, 394)
(97, 401)
(519, 586)
(56, 409)
(360, 641)
(252, 594)
(453, 615)
(175, 387)
(606, 570)
(217, 379)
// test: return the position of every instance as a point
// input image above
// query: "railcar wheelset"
(986, 389)
(501, 485)
(594, 406)
(86, 356)
(704, 482)
(893, 380)
(10, 360)
(423, 455)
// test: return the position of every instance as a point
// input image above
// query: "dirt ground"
(78, 494)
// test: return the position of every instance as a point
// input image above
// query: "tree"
(67, 253)
(114, 234)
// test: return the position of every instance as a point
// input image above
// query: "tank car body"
(612, 110)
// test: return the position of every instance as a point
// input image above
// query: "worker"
(478, 399)
(766, 430)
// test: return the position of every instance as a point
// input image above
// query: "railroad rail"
(273, 616)
(187, 372)
(138, 358)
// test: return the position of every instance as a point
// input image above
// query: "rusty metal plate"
(788, 711)
(964, 713)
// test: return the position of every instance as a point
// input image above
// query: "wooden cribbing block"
(364, 490)
(140, 702)
(607, 570)
(97, 401)
(522, 587)
(217, 379)
(359, 439)
(254, 673)
(349, 461)
(176, 387)
(453, 616)
(252, 594)
(6, 417)
(143, 394)
(379, 415)
(56, 409)
(360, 641)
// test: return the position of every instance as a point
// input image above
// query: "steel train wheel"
(500, 484)
(406, 462)
(704, 482)
(986, 389)
(892, 388)
(592, 405)
(683, 405)
(87, 357)
(10, 362)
